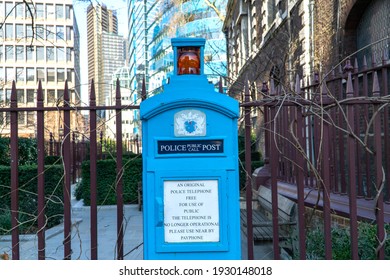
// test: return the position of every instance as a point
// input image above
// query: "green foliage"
(27, 149)
(28, 198)
(367, 243)
(106, 181)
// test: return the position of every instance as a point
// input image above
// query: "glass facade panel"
(49, 11)
(59, 11)
(41, 74)
(9, 31)
(20, 75)
(50, 75)
(60, 75)
(9, 53)
(19, 31)
(50, 32)
(30, 74)
(60, 55)
(30, 96)
(50, 54)
(40, 10)
(29, 53)
(60, 32)
(40, 53)
(19, 53)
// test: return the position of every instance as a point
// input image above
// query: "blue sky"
(80, 9)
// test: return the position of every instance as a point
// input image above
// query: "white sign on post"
(191, 211)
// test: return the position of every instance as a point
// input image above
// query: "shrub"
(28, 200)
(367, 243)
(106, 177)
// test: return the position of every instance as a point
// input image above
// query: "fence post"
(274, 162)
(352, 171)
(119, 172)
(248, 171)
(14, 175)
(67, 179)
(93, 171)
(300, 162)
(41, 173)
(325, 172)
(379, 172)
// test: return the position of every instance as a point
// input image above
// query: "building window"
(69, 75)
(39, 32)
(51, 96)
(29, 11)
(9, 53)
(20, 95)
(19, 10)
(9, 74)
(69, 31)
(60, 75)
(9, 31)
(68, 54)
(30, 74)
(50, 75)
(50, 54)
(49, 11)
(60, 55)
(9, 9)
(20, 75)
(19, 31)
(40, 53)
(68, 11)
(60, 32)
(29, 31)
(30, 118)
(59, 11)
(40, 11)
(49, 32)
(29, 53)
(19, 53)
(41, 74)
(30, 96)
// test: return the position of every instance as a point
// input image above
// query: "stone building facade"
(285, 38)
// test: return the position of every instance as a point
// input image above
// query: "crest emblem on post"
(190, 123)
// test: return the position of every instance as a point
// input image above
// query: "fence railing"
(330, 138)
(72, 153)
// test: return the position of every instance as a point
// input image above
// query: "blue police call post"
(190, 165)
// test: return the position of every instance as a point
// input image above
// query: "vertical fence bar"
(341, 135)
(41, 174)
(355, 124)
(248, 170)
(14, 175)
(300, 174)
(379, 184)
(367, 154)
(385, 92)
(274, 159)
(67, 179)
(326, 175)
(352, 171)
(93, 171)
(119, 172)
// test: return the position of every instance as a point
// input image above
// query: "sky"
(80, 10)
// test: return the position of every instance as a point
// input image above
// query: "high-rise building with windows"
(105, 49)
(153, 23)
(39, 41)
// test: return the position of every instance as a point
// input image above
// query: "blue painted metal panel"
(190, 163)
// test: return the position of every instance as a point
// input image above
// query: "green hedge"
(341, 248)
(106, 176)
(28, 197)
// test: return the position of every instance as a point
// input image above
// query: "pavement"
(80, 242)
